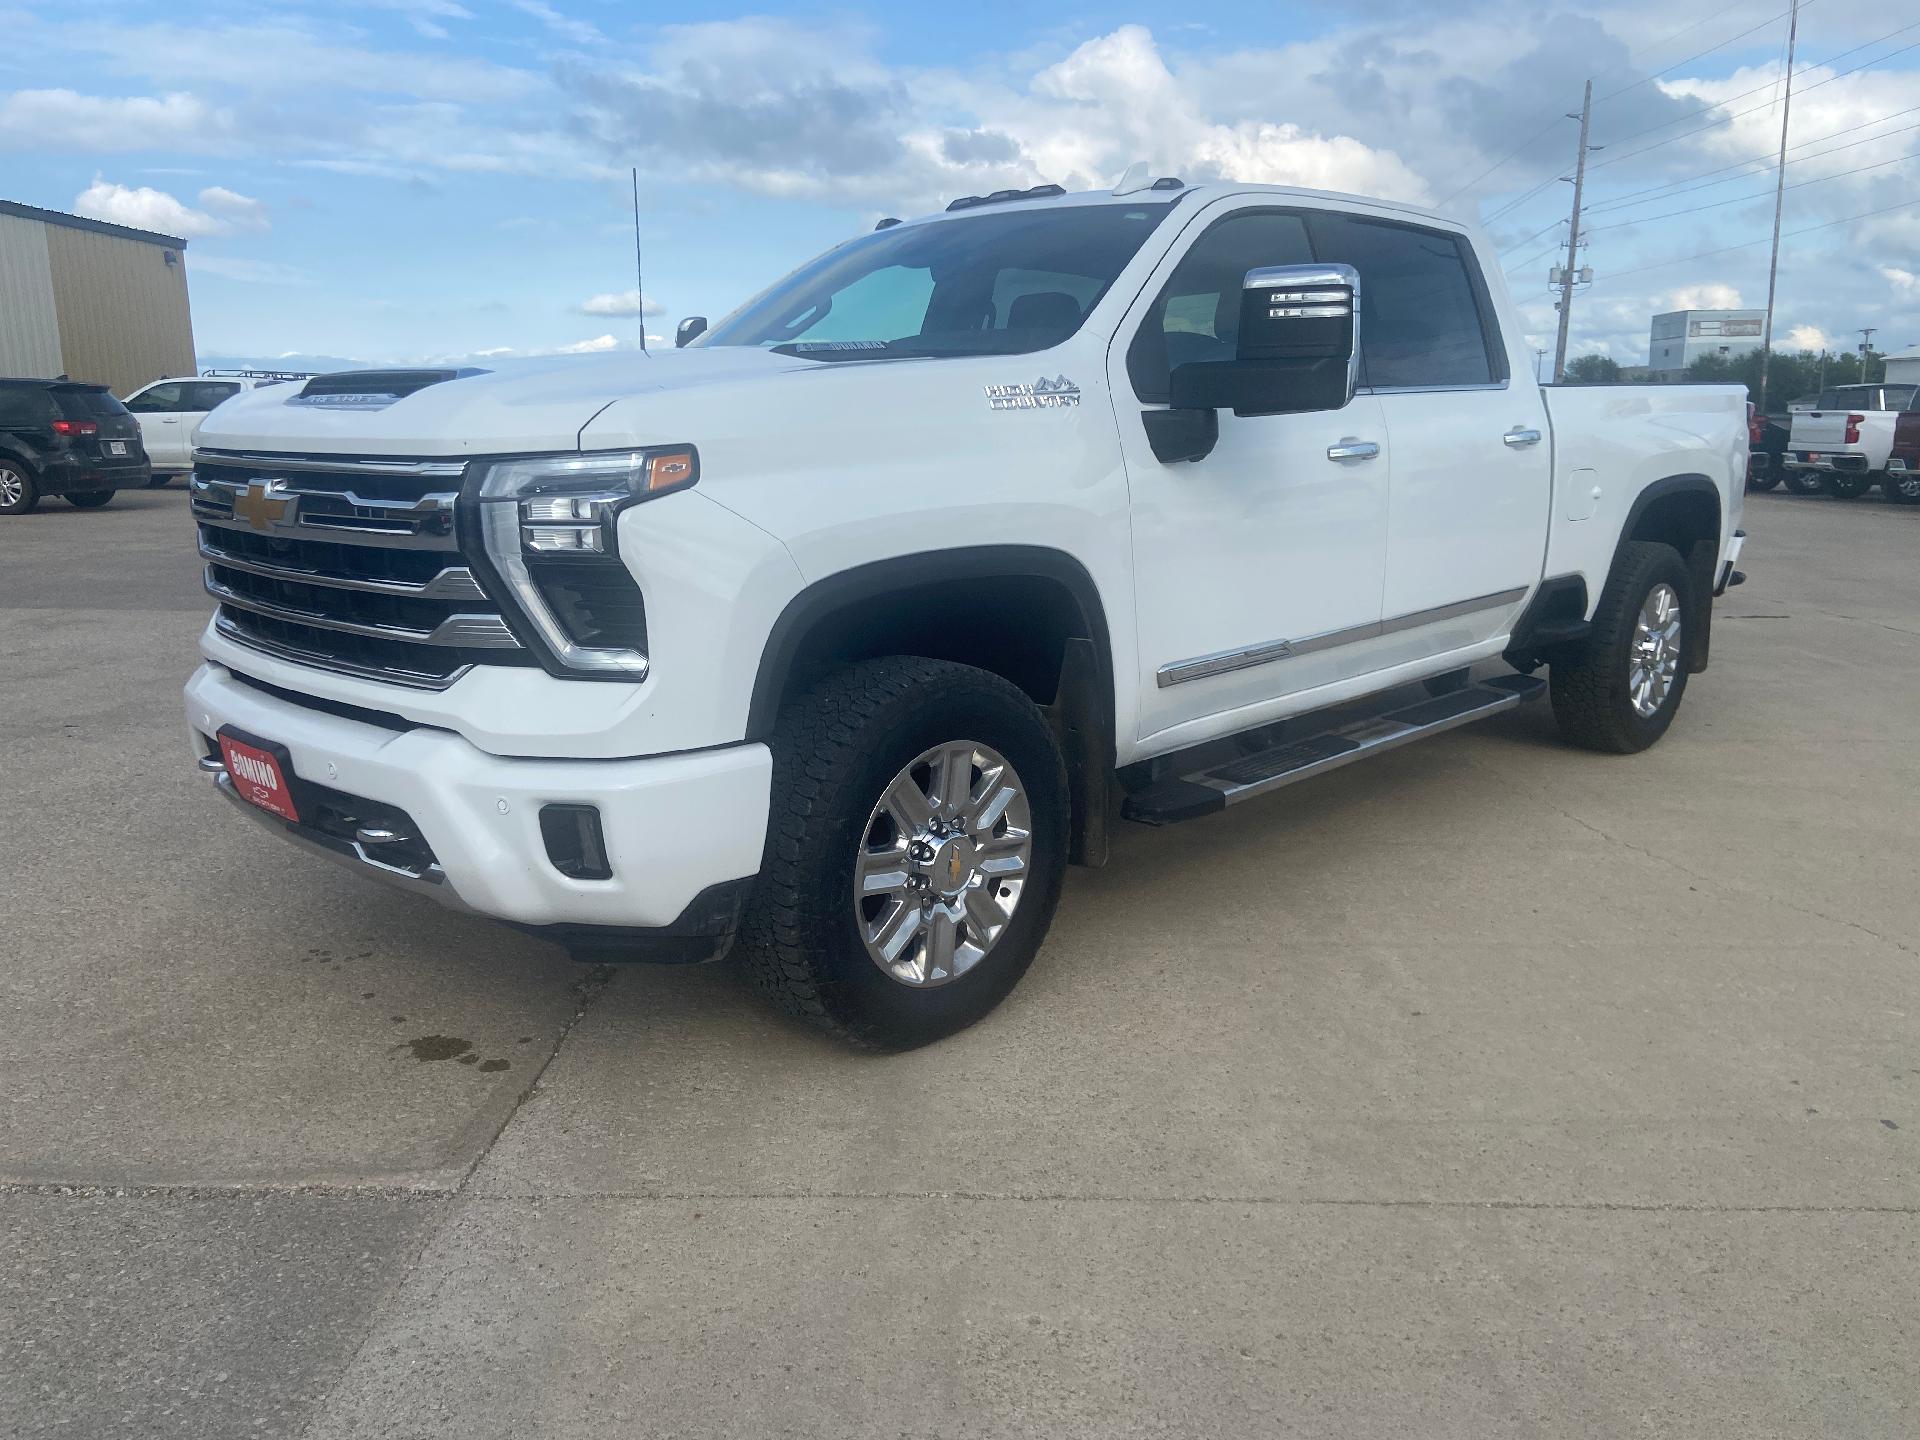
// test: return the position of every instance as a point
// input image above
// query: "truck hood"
(516, 405)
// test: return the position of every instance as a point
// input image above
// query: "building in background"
(1681, 337)
(91, 300)
(1904, 368)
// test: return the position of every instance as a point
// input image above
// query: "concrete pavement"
(1490, 1088)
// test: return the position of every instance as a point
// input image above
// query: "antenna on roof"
(639, 286)
(1138, 177)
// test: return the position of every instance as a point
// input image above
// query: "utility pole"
(639, 286)
(1539, 354)
(1571, 273)
(1779, 203)
(1866, 349)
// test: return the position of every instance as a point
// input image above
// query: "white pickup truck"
(841, 632)
(1842, 445)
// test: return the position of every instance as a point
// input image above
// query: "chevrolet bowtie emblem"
(262, 504)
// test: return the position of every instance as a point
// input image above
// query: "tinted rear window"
(24, 407)
(84, 402)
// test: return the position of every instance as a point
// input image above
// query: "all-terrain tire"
(1850, 485)
(837, 748)
(1590, 682)
(1805, 482)
(88, 499)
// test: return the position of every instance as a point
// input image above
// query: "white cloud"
(1904, 282)
(424, 15)
(587, 347)
(579, 32)
(1809, 337)
(68, 120)
(624, 302)
(144, 208)
(1710, 296)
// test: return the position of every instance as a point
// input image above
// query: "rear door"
(202, 396)
(165, 423)
(1472, 466)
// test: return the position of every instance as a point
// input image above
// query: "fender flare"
(905, 572)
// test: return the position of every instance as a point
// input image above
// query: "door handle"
(1520, 435)
(1352, 449)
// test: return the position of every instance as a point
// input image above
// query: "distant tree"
(1790, 375)
(1594, 369)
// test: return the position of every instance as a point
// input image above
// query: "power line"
(1528, 240)
(1753, 109)
(1749, 199)
(1749, 244)
(1526, 144)
(1700, 55)
(1686, 184)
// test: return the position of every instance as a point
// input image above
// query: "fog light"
(575, 843)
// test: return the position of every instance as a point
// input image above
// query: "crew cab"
(1847, 438)
(171, 409)
(835, 636)
(67, 438)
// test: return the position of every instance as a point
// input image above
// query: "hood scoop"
(371, 389)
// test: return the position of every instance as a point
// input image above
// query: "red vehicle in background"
(1902, 482)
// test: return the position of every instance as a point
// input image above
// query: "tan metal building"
(91, 300)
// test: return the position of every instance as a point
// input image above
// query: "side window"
(1047, 302)
(206, 396)
(156, 399)
(1421, 317)
(1197, 315)
(23, 409)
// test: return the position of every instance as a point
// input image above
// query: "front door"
(165, 425)
(1254, 566)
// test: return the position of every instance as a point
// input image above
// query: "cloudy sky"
(398, 180)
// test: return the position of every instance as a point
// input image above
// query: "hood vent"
(371, 389)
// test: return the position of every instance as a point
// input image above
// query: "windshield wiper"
(834, 349)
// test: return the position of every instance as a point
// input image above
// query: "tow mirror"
(690, 328)
(1299, 347)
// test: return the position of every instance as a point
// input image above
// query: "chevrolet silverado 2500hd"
(1844, 442)
(842, 631)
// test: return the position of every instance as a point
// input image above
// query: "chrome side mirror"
(690, 328)
(1299, 346)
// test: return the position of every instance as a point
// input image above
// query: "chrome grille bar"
(456, 582)
(468, 632)
(386, 674)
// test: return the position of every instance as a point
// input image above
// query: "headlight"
(547, 525)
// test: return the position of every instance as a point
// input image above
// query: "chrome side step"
(1206, 792)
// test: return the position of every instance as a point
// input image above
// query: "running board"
(1188, 797)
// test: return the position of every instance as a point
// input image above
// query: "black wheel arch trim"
(906, 572)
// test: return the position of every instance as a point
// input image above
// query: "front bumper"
(679, 829)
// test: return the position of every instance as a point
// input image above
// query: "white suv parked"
(170, 411)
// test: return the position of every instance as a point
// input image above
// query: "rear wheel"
(1763, 478)
(1901, 487)
(1804, 482)
(1618, 689)
(916, 845)
(159, 482)
(18, 492)
(89, 499)
(1850, 485)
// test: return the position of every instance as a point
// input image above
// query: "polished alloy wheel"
(942, 863)
(1905, 486)
(1655, 657)
(13, 487)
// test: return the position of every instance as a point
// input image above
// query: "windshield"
(82, 402)
(1868, 397)
(990, 284)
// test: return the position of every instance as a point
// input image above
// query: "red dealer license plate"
(259, 775)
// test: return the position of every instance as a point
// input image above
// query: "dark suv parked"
(63, 437)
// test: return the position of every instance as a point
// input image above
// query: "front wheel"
(1850, 485)
(916, 844)
(159, 482)
(1902, 487)
(89, 499)
(1804, 482)
(1763, 479)
(1618, 689)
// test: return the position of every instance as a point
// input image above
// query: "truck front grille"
(350, 565)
